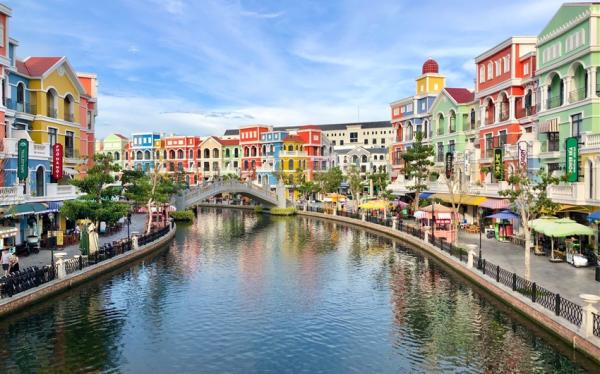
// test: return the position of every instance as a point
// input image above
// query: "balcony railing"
(489, 152)
(69, 117)
(19, 107)
(525, 111)
(52, 113)
(504, 115)
(554, 102)
(38, 150)
(577, 95)
(550, 146)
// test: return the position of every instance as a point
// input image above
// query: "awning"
(27, 208)
(70, 171)
(567, 208)
(550, 125)
(495, 203)
(425, 195)
(460, 198)
(443, 215)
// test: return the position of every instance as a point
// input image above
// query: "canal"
(239, 292)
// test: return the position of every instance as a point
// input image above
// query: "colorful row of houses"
(535, 105)
(46, 102)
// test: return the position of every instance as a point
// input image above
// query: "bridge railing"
(215, 187)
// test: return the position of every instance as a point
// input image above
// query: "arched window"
(290, 148)
(39, 181)
(139, 155)
(253, 151)
(199, 153)
(69, 109)
(207, 153)
(227, 153)
(215, 152)
(126, 156)
(179, 154)
(253, 164)
(236, 153)
(490, 70)
(409, 132)
(364, 159)
(481, 74)
(264, 149)
(191, 153)
(51, 103)
(246, 152)
(147, 155)
(245, 164)
(452, 122)
(180, 166)
(472, 119)
(171, 154)
(291, 165)
(20, 97)
(117, 156)
(271, 148)
(590, 176)
(355, 159)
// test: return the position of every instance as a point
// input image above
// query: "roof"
(461, 95)
(430, 66)
(229, 142)
(324, 127)
(121, 136)
(37, 66)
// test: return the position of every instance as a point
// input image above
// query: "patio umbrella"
(594, 217)
(437, 208)
(505, 214)
(564, 227)
(374, 204)
(538, 223)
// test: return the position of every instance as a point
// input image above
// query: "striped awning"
(495, 203)
(460, 198)
(550, 125)
(425, 195)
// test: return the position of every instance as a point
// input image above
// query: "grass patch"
(183, 215)
(283, 211)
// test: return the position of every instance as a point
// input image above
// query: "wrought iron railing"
(554, 102)
(596, 323)
(577, 95)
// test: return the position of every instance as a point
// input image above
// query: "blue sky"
(201, 66)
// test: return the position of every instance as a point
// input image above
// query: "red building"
(87, 118)
(317, 149)
(250, 145)
(506, 102)
(181, 154)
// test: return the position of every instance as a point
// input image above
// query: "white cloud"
(248, 13)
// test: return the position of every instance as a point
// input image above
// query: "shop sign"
(23, 159)
(57, 161)
(498, 165)
(523, 155)
(449, 164)
(572, 162)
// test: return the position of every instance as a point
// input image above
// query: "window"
(526, 68)
(576, 122)
(366, 141)
(52, 136)
(333, 142)
(472, 119)
(396, 111)
(490, 71)
(502, 138)
(440, 152)
(553, 142)
(51, 103)
(382, 140)
(506, 63)
(489, 145)
(374, 141)
(69, 144)
(481, 74)
(341, 142)
(353, 137)
(451, 146)
(497, 68)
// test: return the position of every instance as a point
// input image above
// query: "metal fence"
(552, 301)
(34, 276)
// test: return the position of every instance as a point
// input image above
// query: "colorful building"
(251, 150)
(272, 144)
(115, 145)
(180, 156)
(145, 150)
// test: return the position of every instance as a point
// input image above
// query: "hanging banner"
(572, 162)
(57, 161)
(23, 159)
(523, 155)
(498, 165)
(449, 164)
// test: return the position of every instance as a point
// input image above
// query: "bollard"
(395, 223)
(134, 241)
(364, 217)
(588, 311)
(471, 254)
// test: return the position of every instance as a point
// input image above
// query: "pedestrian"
(14, 263)
(5, 260)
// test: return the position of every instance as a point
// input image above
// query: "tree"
(380, 181)
(455, 185)
(100, 194)
(418, 165)
(150, 188)
(307, 188)
(530, 197)
(355, 183)
(330, 180)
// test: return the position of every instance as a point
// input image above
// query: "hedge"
(183, 215)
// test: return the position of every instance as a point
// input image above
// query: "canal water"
(237, 292)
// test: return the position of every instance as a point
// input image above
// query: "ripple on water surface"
(236, 292)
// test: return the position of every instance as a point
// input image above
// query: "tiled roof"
(22, 68)
(461, 95)
(229, 141)
(37, 66)
(293, 138)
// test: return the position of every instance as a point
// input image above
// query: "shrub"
(283, 211)
(258, 209)
(183, 215)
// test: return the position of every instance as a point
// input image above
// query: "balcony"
(488, 189)
(55, 192)
(11, 195)
(525, 111)
(567, 193)
(292, 154)
(577, 95)
(35, 150)
(554, 102)
(590, 142)
(69, 117)
(52, 113)
(19, 107)
(504, 115)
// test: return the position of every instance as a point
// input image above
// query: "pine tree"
(418, 165)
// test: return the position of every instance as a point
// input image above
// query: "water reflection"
(241, 292)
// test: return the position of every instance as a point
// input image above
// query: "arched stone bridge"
(196, 195)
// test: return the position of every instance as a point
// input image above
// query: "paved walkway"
(561, 277)
(43, 257)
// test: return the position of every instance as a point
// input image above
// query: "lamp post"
(53, 242)
(480, 211)
(433, 221)
(128, 223)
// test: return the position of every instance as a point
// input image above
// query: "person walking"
(14, 263)
(5, 260)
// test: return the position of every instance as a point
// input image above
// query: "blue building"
(271, 145)
(145, 149)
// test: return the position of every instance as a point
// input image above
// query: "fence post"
(470, 254)
(587, 314)
(80, 262)
(557, 304)
(497, 273)
(533, 292)
(514, 282)
(483, 268)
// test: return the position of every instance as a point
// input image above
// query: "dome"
(430, 66)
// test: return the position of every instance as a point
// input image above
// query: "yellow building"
(293, 156)
(55, 92)
(430, 81)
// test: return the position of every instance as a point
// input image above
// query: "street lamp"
(53, 241)
(128, 223)
(480, 211)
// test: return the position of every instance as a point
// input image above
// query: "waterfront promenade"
(43, 257)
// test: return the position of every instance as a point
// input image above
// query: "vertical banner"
(23, 159)
(523, 154)
(57, 161)
(449, 164)
(572, 162)
(498, 164)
